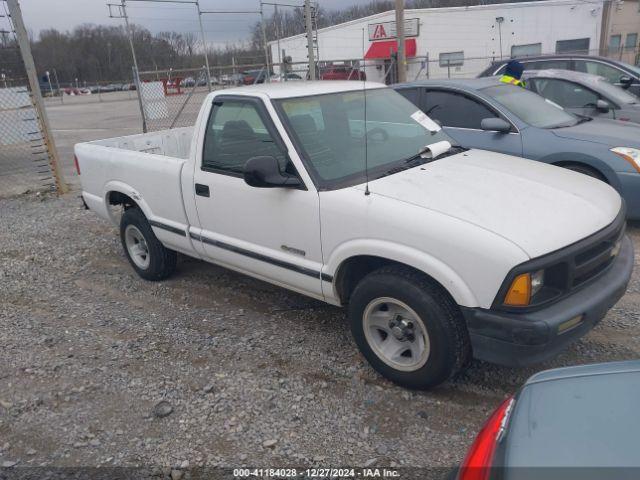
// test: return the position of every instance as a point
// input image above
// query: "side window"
(501, 70)
(411, 94)
(235, 133)
(544, 64)
(566, 94)
(455, 110)
(601, 69)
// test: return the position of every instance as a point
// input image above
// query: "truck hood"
(612, 133)
(539, 207)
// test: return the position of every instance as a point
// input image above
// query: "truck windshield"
(329, 132)
(531, 107)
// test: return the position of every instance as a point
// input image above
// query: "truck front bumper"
(520, 339)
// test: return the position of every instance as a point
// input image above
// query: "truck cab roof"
(300, 89)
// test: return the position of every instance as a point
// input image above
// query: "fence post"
(27, 58)
(60, 92)
(136, 81)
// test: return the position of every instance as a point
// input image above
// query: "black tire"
(450, 348)
(162, 261)
(583, 169)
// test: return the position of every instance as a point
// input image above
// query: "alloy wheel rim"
(396, 334)
(137, 247)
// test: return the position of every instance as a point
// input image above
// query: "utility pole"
(266, 47)
(402, 58)
(202, 36)
(130, 34)
(308, 21)
(136, 76)
(30, 67)
(277, 19)
(204, 45)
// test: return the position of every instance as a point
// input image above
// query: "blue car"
(574, 423)
(487, 114)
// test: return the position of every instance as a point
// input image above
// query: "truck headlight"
(523, 288)
(631, 155)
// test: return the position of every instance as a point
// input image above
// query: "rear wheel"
(408, 328)
(148, 257)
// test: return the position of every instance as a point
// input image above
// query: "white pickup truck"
(342, 191)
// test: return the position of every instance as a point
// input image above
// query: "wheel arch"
(119, 193)
(594, 164)
(351, 267)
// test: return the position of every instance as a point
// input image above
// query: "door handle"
(202, 190)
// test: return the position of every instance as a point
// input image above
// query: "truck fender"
(431, 266)
(129, 191)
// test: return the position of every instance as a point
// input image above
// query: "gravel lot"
(248, 373)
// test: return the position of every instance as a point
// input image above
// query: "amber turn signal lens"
(519, 293)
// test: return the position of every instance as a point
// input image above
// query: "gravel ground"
(210, 367)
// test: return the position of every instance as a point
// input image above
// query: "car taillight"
(477, 464)
(75, 162)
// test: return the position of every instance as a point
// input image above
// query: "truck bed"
(145, 167)
(169, 143)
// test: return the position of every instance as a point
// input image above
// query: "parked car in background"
(618, 73)
(438, 252)
(285, 77)
(487, 114)
(569, 423)
(250, 77)
(342, 72)
(584, 94)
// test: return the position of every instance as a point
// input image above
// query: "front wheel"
(148, 257)
(408, 328)
(585, 170)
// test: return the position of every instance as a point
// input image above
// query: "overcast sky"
(220, 29)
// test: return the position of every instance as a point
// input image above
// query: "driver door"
(269, 233)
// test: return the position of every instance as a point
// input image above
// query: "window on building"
(235, 133)
(612, 74)
(578, 45)
(455, 110)
(451, 59)
(614, 43)
(631, 42)
(526, 50)
(565, 93)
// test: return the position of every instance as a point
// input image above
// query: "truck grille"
(571, 267)
(595, 257)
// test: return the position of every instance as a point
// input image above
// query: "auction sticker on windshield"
(425, 121)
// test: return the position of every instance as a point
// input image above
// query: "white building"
(457, 41)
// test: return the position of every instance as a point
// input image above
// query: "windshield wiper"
(418, 159)
(579, 120)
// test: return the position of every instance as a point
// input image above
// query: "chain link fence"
(172, 98)
(25, 160)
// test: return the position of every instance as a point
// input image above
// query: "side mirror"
(495, 125)
(603, 106)
(264, 172)
(625, 81)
